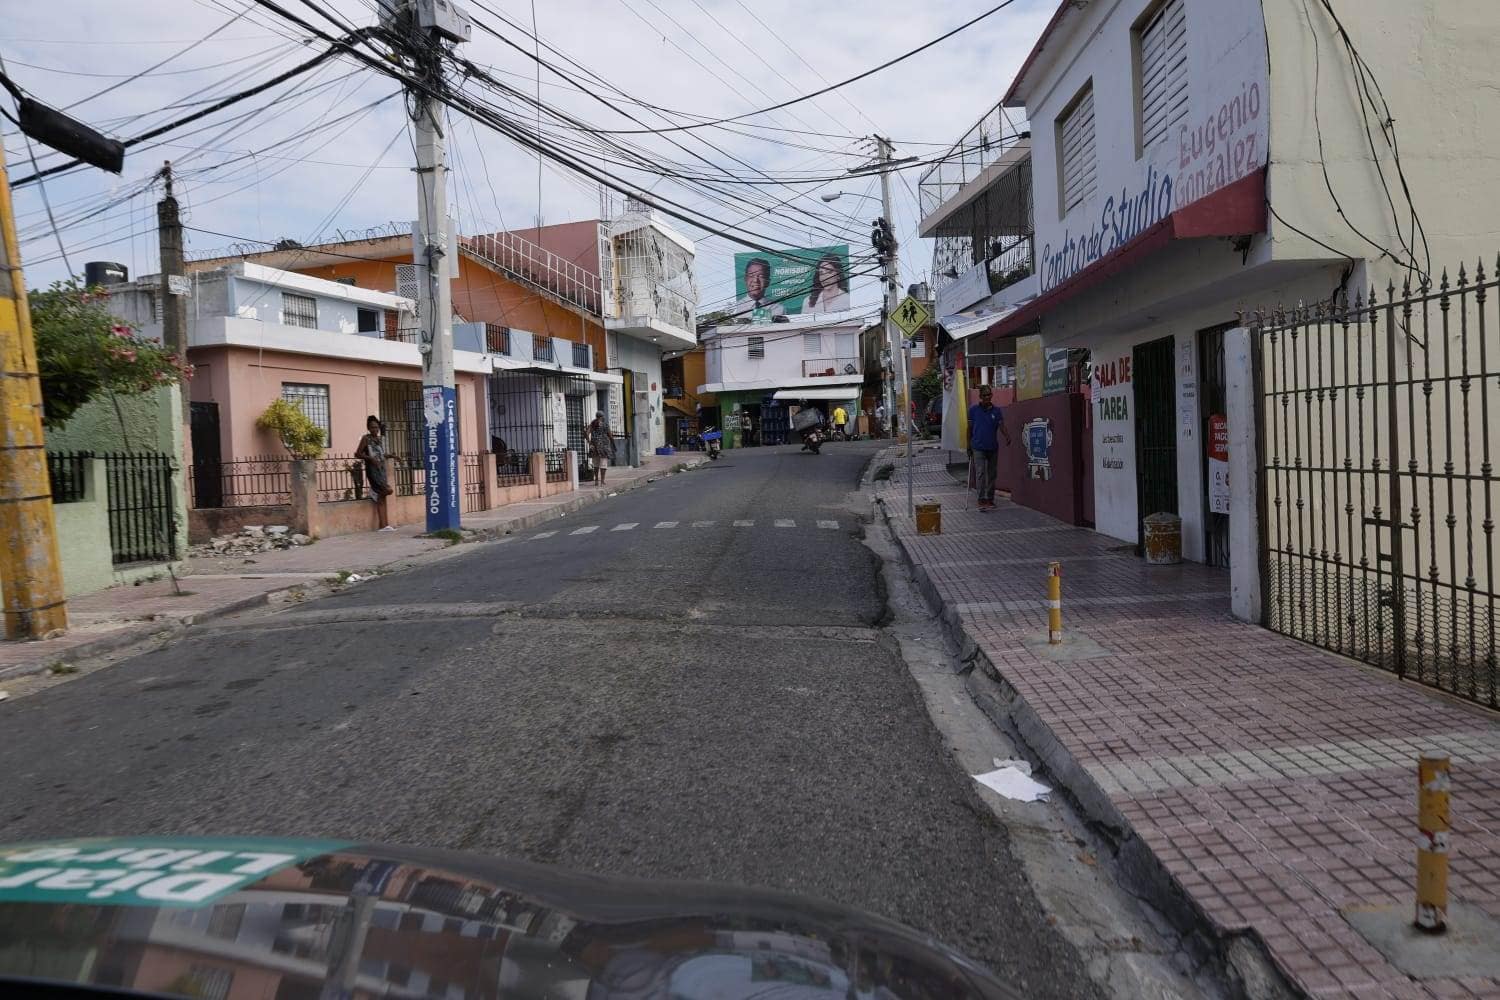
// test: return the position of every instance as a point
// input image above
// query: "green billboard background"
(791, 280)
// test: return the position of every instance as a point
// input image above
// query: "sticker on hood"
(145, 871)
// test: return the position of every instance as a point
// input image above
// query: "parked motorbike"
(711, 439)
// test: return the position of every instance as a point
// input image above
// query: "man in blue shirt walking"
(986, 428)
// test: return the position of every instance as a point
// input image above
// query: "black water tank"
(103, 272)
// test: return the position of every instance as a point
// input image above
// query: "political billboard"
(791, 282)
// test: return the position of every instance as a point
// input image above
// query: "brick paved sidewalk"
(1275, 784)
(217, 585)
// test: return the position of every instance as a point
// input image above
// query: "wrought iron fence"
(557, 466)
(253, 481)
(411, 477)
(473, 466)
(142, 522)
(340, 477)
(1378, 479)
(68, 474)
(531, 413)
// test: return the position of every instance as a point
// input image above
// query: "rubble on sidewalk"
(251, 539)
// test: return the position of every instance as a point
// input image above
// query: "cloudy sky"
(330, 151)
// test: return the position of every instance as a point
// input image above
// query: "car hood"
(292, 919)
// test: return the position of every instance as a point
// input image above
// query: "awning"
(792, 395)
(1236, 210)
(966, 324)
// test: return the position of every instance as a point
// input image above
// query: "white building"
(1176, 181)
(759, 370)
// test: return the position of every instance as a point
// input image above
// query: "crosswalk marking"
(785, 522)
(584, 530)
(744, 524)
(544, 534)
(828, 524)
(665, 524)
(703, 524)
(626, 527)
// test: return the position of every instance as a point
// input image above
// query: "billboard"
(790, 283)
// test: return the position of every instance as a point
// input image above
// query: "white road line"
(785, 522)
(703, 524)
(744, 524)
(626, 527)
(584, 531)
(828, 524)
(665, 524)
(544, 534)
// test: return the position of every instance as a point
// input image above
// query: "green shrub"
(298, 434)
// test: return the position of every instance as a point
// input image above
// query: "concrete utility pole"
(890, 276)
(30, 571)
(173, 292)
(428, 29)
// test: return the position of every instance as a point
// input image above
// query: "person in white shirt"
(830, 286)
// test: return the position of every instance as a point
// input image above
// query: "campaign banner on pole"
(791, 282)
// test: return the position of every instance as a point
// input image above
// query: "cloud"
(700, 57)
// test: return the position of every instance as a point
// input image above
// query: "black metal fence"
(531, 413)
(68, 474)
(1378, 479)
(253, 481)
(142, 522)
(340, 477)
(472, 468)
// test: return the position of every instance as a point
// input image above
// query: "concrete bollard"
(1054, 604)
(1432, 843)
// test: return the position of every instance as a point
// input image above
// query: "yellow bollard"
(1054, 603)
(1432, 843)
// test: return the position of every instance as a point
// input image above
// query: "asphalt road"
(686, 697)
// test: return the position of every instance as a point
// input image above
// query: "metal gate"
(1154, 379)
(1211, 382)
(1377, 480)
(142, 522)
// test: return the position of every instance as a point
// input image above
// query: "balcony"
(816, 367)
(999, 139)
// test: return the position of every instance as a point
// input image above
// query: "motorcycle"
(711, 438)
(812, 438)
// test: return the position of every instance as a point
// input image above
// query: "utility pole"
(30, 570)
(174, 287)
(430, 23)
(890, 279)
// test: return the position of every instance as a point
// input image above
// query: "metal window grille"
(582, 356)
(1077, 162)
(299, 310)
(755, 347)
(1164, 75)
(142, 523)
(541, 349)
(812, 344)
(497, 338)
(67, 471)
(313, 401)
(612, 350)
(406, 281)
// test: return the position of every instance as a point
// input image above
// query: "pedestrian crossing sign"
(911, 315)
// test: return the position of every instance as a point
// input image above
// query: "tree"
(299, 435)
(84, 352)
(927, 386)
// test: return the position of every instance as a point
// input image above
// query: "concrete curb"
(171, 628)
(1241, 955)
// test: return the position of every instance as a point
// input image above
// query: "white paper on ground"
(1020, 765)
(1011, 783)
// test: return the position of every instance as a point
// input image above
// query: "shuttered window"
(756, 347)
(812, 344)
(1164, 76)
(1077, 165)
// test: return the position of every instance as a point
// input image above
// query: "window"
(210, 982)
(369, 320)
(612, 350)
(344, 281)
(756, 347)
(1077, 171)
(406, 281)
(313, 401)
(812, 345)
(224, 921)
(299, 310)
(919, 347)
(1161, 72)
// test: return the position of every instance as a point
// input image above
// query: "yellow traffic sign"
(911, 315)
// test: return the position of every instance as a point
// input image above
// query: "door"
(208, 488)
(1155, 386)
(1215, 447)
(642, 417)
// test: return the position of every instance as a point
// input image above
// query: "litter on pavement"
(1020, 765)
(1013, 784)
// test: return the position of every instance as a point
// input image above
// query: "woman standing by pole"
(372, 450)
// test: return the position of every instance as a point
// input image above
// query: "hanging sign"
(1218, 464)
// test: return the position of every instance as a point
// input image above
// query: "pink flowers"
(121, 331)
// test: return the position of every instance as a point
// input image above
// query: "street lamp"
(836, 195)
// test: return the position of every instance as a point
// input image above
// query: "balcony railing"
(814, 367)
(989, 139)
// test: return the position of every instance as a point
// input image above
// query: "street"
(686, 681)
